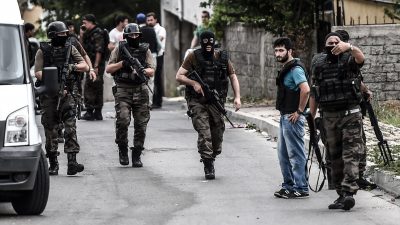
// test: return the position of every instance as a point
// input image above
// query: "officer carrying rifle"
(61, 107)
(131, 64)
(214, 68)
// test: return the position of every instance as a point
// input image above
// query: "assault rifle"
(135, 65)
(64, 74)
(314, 147)
(382, 143)
(212, 96)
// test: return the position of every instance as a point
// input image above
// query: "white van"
(24, 177)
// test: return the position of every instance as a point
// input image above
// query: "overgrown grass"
(387, 112)
(375, 156)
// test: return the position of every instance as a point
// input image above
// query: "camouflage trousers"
(51, 118)
(344, 144)
(131, 101)
(361, 165)
(93, 91)
(210, 126)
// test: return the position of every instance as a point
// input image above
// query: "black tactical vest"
(336, 85)
(127, 76)
(89, 43)
(287, 99)
(56, 57)
(214, 73)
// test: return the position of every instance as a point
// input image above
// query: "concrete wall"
(252, 55)
(381, 46)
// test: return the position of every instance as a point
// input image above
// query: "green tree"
(394, 11)
(294, 19)
(104, 10)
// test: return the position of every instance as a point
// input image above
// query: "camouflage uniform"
(345, 146)
(51, 117)
(210, 126)
(336, 89)
(206, 120)
(131, 98)
(93, 42)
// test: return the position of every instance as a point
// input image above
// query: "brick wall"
(381, 47)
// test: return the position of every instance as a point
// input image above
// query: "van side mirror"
(50, 82)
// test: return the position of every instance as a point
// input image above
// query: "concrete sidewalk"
(266, 119)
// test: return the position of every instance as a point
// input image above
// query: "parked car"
(24, 176)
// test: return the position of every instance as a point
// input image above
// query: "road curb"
(387, 181)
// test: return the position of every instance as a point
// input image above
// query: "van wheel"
(34, 202)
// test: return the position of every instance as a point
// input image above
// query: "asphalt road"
(170, 188)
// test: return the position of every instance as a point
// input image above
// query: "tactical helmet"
(132, 28)
(55, 28)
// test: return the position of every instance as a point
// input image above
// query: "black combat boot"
(53, 169)
(348, 201)
(345, 202)
(337, 204)
(136, 152)
(123, 155)
(209, 170)
(88, 115)
(73, 166)
(97, 114)
(363, 184)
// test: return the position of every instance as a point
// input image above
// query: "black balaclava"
(328, 49)
(133, 42)
(59, 41)
(207, 39)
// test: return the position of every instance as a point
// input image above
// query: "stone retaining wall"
(251, 52)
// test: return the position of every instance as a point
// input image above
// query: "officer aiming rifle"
(212, 96)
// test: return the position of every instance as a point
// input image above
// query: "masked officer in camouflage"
(131, 94)
(54, 55)
(214, 68)
(336, 92)
(92, 38)
(361, 181)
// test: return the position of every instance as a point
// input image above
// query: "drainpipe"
(180, 30)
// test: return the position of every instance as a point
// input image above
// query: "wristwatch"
(351, 47)
(299, 112)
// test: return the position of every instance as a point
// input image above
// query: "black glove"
(38, 83)
(126, 64)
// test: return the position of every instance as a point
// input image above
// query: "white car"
(24, 176)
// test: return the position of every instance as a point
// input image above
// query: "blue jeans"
(291, 154)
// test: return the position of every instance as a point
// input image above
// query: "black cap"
(344, 34)
(89, 17)
(333, 34)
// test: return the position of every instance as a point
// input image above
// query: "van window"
(11, 62)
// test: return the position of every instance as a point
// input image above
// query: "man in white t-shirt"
(116, 34)
(152, 21)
